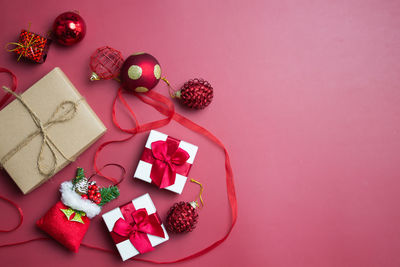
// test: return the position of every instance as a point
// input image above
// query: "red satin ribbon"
(13, 86)
(167, 160)
(135, 226)
(159, 102)
(3, 100)
(21, 215)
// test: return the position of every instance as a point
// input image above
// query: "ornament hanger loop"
(171, 91)
(201, 192)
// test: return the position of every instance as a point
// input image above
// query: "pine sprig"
(80, 174)
(108, 194)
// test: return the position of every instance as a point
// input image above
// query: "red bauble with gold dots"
(140, 73)
(69, 28)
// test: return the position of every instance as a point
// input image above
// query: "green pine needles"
(108, 194)
(80, 174)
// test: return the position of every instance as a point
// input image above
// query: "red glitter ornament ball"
(106, 63)
(182, 217)
(196, 93)
(140, 73)
(69, 28)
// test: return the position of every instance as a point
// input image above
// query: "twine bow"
(65, 111)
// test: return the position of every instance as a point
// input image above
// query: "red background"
(306, 100)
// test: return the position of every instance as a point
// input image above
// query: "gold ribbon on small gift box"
(30, 45)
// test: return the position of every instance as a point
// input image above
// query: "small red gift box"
(32, 47)
(166, 162)
(135, 227)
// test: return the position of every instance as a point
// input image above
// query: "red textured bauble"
(182, 217)
(196, 93)
(140, 72)
(69, 28)
(106, 63)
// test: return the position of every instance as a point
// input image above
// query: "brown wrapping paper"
(71, 137)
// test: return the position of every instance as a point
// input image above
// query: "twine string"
(65, 111)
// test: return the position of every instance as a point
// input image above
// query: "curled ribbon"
(167, 159)
(65, 111)
(136, 226)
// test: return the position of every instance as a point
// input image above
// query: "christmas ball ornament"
(69, 28)
(105, 63)
(182, 217)
(140, 72)
(195, 93)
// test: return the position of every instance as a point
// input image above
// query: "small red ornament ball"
(182, 217)
(140, 72)
(196, 93)
(105, 63)
(69, 28)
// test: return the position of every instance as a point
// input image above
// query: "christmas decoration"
(31, 47)
(135, 227)
(196, 93)
(140, 72)
(105, 63)
(69, 28)
(40, 138)
(107, 194)
(166, 162)
(94, 193)
(182, 217)
(68, 220)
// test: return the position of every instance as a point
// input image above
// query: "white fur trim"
(73, 200)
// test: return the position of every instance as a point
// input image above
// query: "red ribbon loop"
(137, 230)
(167, 158)
(5, 98)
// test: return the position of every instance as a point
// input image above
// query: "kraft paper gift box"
(30, 155)
(135, 227)
(166, 162)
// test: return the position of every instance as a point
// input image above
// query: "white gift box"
(125, 248)
(143, 169)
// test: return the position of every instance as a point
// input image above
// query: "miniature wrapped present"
(135, 227)
(166, 162)
(31, 46)
(44, 129)
(69, 219)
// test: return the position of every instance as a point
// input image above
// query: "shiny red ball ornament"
(105, 63)
(69, 28)
(196, 93)
(140, 73)
(182, 217)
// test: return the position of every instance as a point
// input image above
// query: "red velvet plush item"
(69, 219)
(68, 233)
